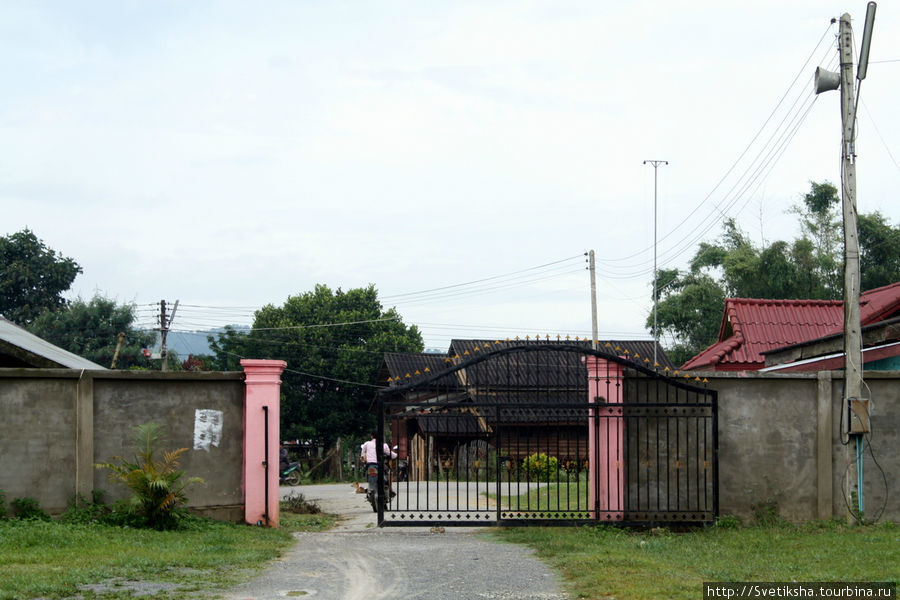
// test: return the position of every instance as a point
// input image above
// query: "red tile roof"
(751, 327)
(879, 304)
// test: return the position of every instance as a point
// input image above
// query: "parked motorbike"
(290, 475)
(402, 468)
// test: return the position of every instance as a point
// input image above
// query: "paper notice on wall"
(207, 428)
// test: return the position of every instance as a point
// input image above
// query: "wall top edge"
(838, 374)
(18, 373)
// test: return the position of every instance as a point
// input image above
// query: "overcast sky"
(231, 154)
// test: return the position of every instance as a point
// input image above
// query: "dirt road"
(359, 561)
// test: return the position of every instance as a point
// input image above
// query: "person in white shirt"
(368, 455)
(368, 450)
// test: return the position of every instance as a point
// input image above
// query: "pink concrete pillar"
(262, 412)
(606, 440)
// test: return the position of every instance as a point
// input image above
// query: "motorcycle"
(290, 475)
(387, 493)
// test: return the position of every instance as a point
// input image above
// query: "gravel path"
(358, 560)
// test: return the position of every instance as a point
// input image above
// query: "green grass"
(52, 559)
(603, 562)
(564, 496)
(307, 522)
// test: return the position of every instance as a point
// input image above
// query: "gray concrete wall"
(37, 438)
(780, 441)
(779, 437)
(56, 423)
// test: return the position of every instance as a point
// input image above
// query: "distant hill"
(194, 342)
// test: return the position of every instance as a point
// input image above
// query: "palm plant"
(158, 484)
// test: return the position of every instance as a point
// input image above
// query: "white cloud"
(232, 154)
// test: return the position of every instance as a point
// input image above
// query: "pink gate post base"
(262, 409)
(606, 439)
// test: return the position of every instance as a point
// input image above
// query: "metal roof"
(751, 327)
(879, 304)
(400, 368)
(19, 348)
(544, 370)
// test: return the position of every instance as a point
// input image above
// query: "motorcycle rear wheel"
(293, 478)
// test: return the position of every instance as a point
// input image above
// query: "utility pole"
(852, 336)
(164, 323)
(121, 338)
(856, 407)
(593, 269)
(655, 164)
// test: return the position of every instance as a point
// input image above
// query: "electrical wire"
(314, 376)
(734, 165)
(495, 277)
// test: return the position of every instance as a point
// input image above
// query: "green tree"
(879, 251)
(821, 225)
(333, 342)
(32, 277)
(689, 310)
(91, 329)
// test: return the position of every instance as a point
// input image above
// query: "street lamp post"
(655, 164)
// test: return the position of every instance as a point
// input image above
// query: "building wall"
(58, 422)
(780, 442)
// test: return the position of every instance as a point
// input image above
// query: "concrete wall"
(780, 440)
(56, 423)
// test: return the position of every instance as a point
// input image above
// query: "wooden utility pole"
(852, 335)
(121, 338)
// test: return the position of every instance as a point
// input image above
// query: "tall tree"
(879, 251)
(333, 342)
(821, 225)
(32, 277)
(690, 309)
(91, 329)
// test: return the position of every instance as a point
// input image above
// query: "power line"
(495, 277)
(686, 242)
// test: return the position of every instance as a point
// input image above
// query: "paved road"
(358, 560)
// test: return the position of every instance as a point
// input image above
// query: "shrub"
(540, 467)
(3, 514)
(84, 511)
(29, 509)
(297, 503)
(767, 514)
(158, 484)
(728, 522)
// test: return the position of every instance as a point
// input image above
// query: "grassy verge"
(602, 562)
(562, 496)
(51, 559)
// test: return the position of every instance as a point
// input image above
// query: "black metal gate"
(550, 433)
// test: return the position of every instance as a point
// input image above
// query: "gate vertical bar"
(379, 456)
(715, 451)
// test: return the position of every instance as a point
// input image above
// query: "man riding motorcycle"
(369, 456)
